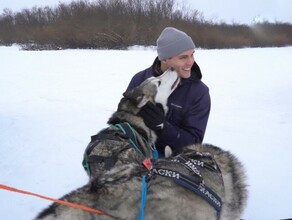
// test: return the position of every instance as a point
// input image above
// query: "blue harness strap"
(155, 154)
(143, 197)
(129, 131)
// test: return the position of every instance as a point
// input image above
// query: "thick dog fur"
(117, 191)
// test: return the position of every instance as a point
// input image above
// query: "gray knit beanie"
(172, 42)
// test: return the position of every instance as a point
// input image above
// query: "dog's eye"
(159, 83)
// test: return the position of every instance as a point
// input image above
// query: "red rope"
(96, 211)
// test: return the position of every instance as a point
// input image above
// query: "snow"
(51, 102)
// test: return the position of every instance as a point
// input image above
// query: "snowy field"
(51, 102)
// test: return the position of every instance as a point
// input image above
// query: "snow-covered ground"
(51, 102)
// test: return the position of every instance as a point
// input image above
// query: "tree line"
(117, 24)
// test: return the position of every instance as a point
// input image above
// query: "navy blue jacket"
(189, 108)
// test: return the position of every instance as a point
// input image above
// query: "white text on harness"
(165, 172)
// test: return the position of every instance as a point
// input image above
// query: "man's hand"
(153, 116)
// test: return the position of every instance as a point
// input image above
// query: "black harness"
(196, 182)
(115, 132)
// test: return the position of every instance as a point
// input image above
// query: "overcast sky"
(229, 11)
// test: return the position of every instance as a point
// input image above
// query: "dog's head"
(154, 89)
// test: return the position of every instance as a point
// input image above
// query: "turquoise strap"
(143, 197)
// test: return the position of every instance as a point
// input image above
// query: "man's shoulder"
(199, 88)
(196, 85)
(142, 75)
(139, 77)
(146, 73)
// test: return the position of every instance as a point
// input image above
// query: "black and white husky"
(202, 182)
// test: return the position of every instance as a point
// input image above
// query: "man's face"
(182, 63)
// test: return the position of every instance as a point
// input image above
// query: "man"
(189, 104)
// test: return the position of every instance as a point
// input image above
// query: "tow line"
(85, 208)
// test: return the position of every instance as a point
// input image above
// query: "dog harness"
(196, 182)
(131, 134)
(116, 132)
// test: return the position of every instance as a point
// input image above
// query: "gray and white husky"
(202, 182)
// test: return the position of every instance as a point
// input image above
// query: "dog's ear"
(138, 98)
(133, 96)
